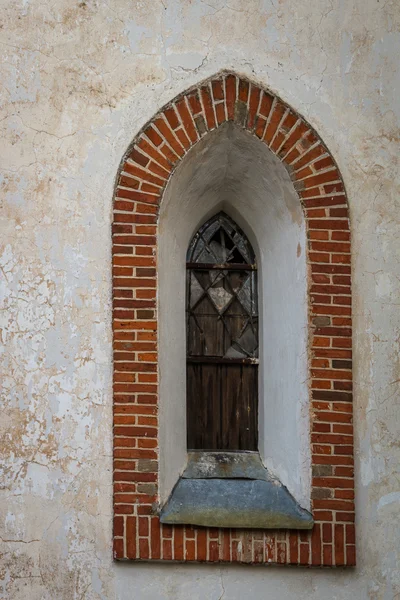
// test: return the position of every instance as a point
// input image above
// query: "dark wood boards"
(222, 406)
(222, 338)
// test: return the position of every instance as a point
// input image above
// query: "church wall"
(79, 82)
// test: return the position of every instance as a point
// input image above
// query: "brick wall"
(145, 171)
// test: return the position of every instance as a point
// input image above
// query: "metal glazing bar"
(221, 360)
(226, 266)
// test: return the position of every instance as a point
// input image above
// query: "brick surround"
(144, 173)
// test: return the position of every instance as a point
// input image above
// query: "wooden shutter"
(222, 339)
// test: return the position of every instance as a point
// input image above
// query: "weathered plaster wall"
(79, 80)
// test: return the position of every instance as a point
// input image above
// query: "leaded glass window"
(222, 338)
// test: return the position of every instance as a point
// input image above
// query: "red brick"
(323, 515)
(194, 103)
(220, 112)
(328, 224)
(190, 552)
(265, 104)
(281, 553)
(187, 120)
(322, 201)
(344, 450)
(332, 460)
(217, 89)
(332, 482)
(304, 554)
(131, 537)
(321, 449)
(226, 545)
(327, 533)
(260, 127)
(155, 154)
(293, 547)
(230, 86)
(316, 546)
(253, 106)
(208, 107)
(308, 157)
(343, 385)
(339, 545)
(343, 236)
(350, 534)
(274, 120)
(333, 417)
(243, 90)
(172, 117)
(153, 136)
(166, 131)
(339, 212)
(323, 163)
(118, 526)
(122, 509)
(258, 550)
(350, 556)
(345, 494)
(299, 131)
(118, 548)
(178, 543)
(327, 555)
(213, 551)
(333, 188)
(334, 505)
(201, 545)
(347, 517)
(167, 549)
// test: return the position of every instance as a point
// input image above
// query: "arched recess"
(232, 170)
(145, 172)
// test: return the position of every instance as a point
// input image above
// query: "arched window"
(222, 339)
(251, 160)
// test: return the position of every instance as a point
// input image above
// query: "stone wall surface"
(79, 80)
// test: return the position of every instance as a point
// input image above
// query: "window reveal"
(222, 339)
(240, 98)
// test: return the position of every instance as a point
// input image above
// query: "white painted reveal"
(233, 171)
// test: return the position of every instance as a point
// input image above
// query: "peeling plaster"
(78, 82)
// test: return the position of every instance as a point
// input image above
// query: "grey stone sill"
(232, 489)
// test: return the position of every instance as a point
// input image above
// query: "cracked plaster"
(78, 81)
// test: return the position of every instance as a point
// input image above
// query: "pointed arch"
(144, 173)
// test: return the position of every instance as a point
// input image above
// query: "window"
(224, 483)
(222, 339)
(303, 331)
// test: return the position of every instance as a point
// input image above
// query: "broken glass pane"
(222, 303)
(248, 340)
(220, 296)
(235, 353)
(236, 279)
(218, 241)
(247, 296)
(195, 291)
(203, 277)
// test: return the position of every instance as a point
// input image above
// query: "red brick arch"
(145, 171)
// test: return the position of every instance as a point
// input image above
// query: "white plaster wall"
(78, 82)
(231, 170)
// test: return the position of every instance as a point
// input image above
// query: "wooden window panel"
(222, 339)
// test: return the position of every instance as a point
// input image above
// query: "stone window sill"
(232, 489)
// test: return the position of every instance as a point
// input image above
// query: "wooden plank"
(222, 406)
